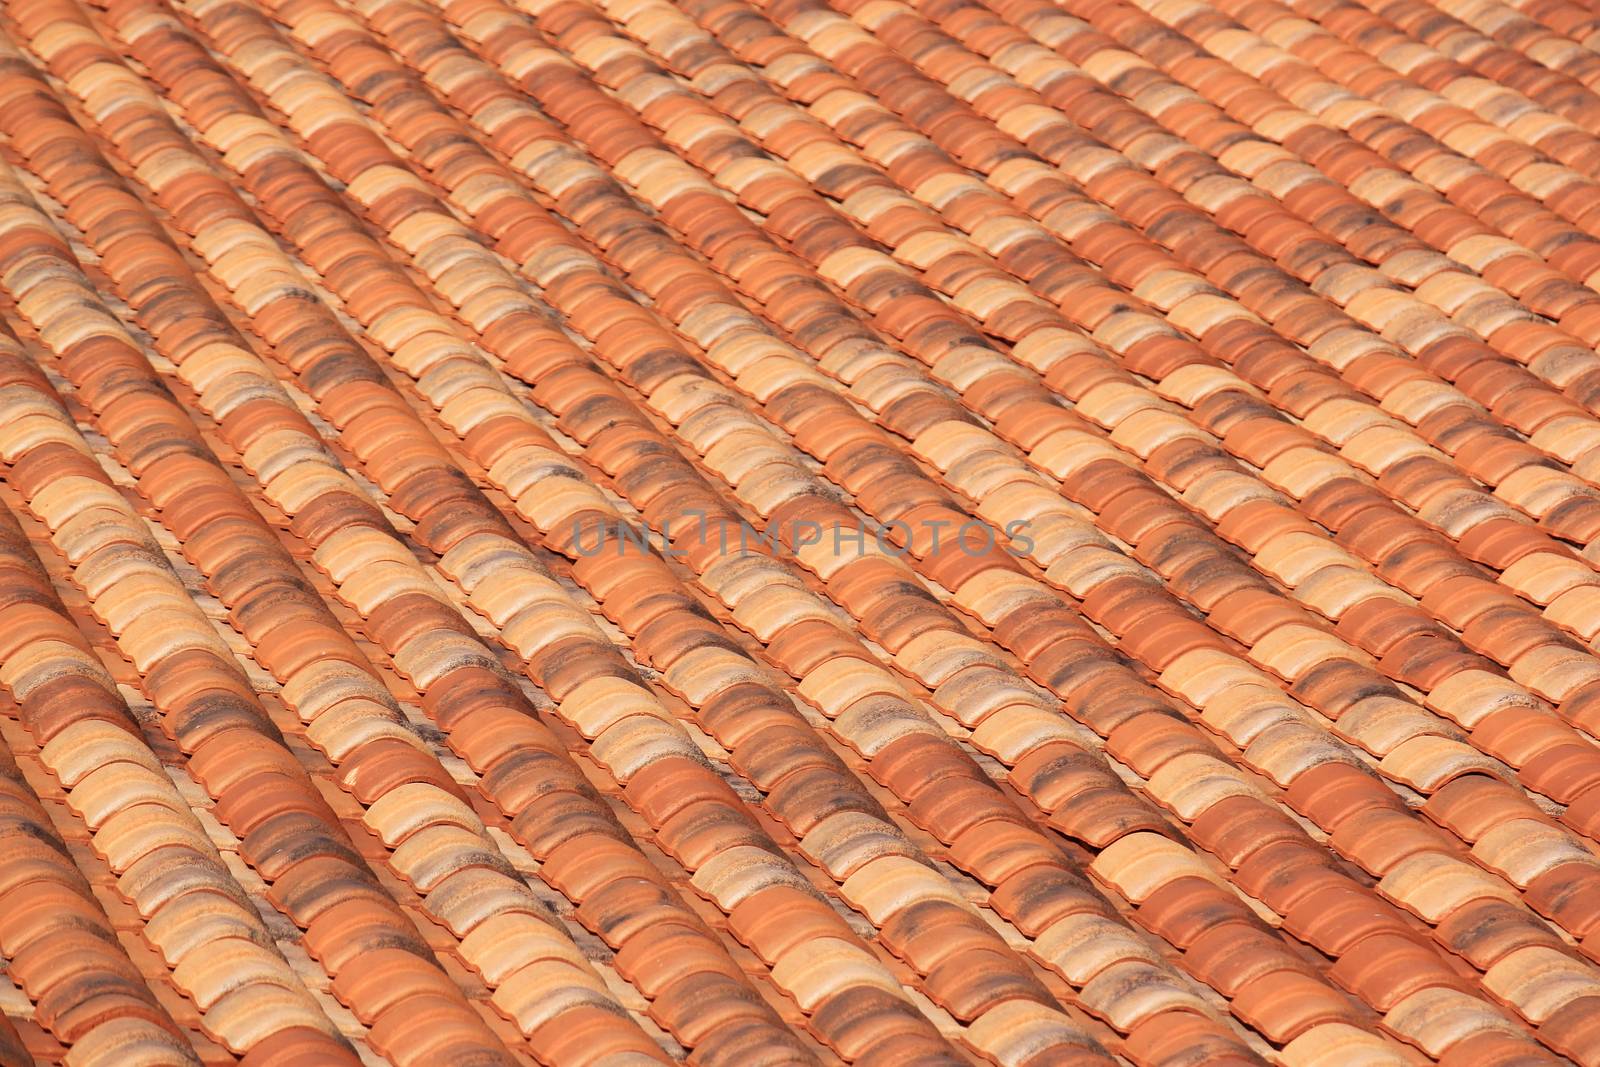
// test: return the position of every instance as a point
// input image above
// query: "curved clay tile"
(785, 531)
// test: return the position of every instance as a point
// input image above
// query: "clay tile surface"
(777, 532)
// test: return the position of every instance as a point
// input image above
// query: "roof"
(800, 531)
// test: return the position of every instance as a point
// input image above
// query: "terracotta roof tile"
(766, 531)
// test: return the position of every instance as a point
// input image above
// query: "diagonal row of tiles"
(1274, 336)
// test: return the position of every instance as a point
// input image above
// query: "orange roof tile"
(799, 531)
